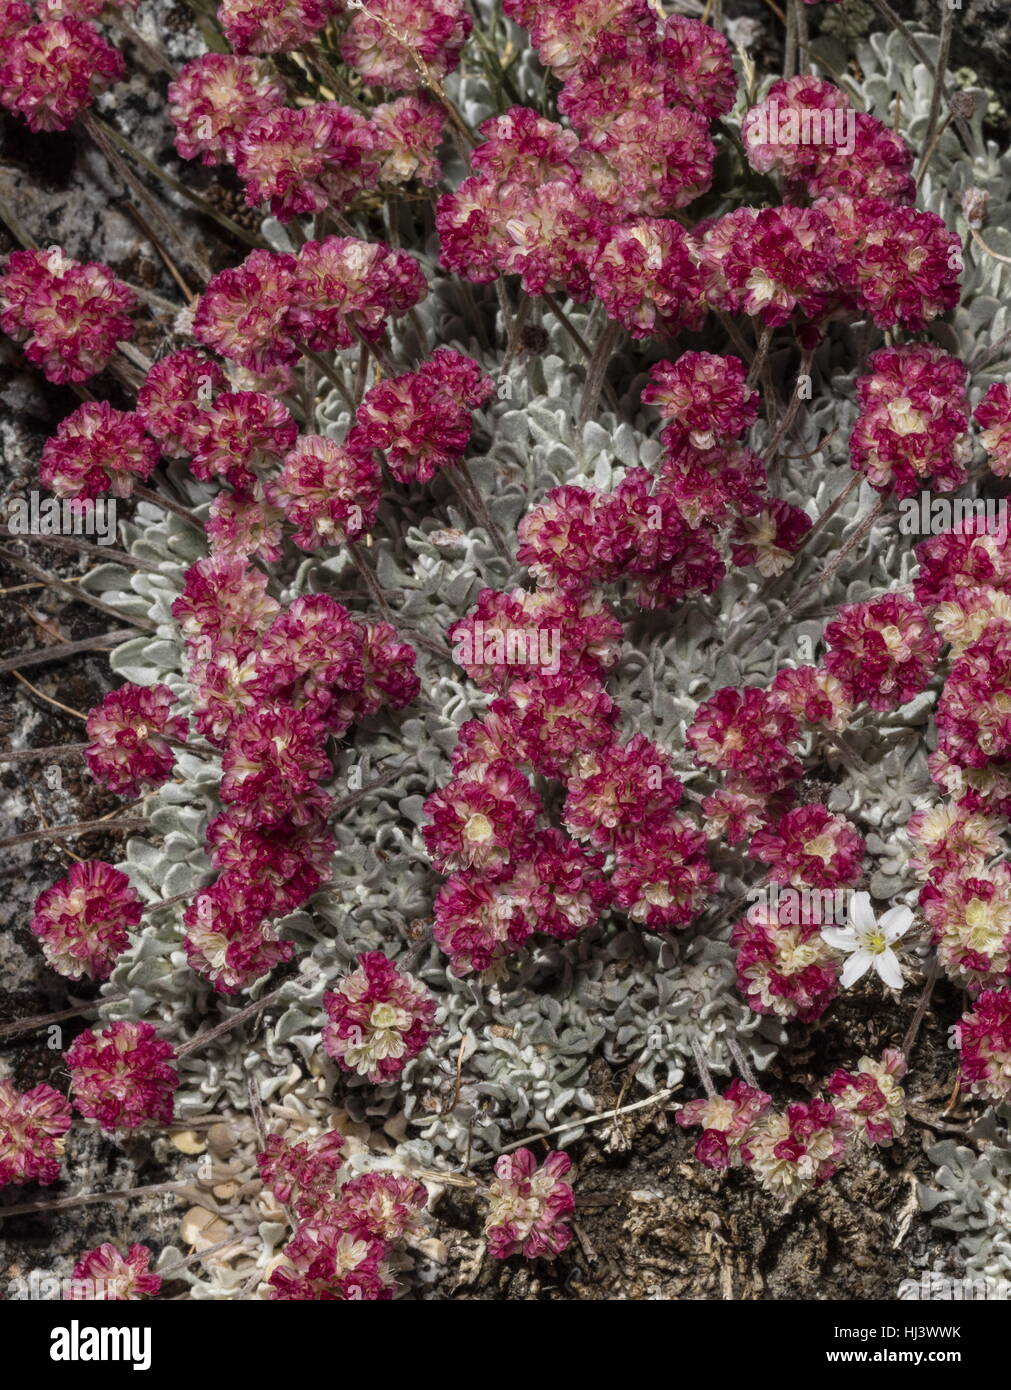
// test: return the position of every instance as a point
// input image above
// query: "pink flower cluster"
(984, 1044)
(378, 1019)
(32, 1126)
(422, 420)
(303, 159)
(806, 131)
(274, 26)
(994, 414)
(51, 72)
(302, 1174)
(510, 877)
(97, 449)
(258, 314)
(706, 469)
(784, 965)
(528, 1206)
(215, 98)
(106, 1274)
(579, 209)
(913, 422)
(269, 688)
(810, 846)
(84, 920)
(882, 652)
(390, 44)
(122, 1075)
(69, 315)
(964, 581)
(804, 1145)
(342, 1244)
(298, 159)
(131, 735)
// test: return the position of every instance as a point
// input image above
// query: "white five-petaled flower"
(868, 942)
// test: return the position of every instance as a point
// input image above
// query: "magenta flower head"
(984, 1044)
(704, 398)
(727, 1122)
(228, 940)
(897, 264)
(665, 880)
(647, 278)
(389, 677)
(770, 538)
(378, 1019)
(811, 846)
(241, 437)
(302, 160)
(342, 287)
(177, 390)
(422, 420)
(52, 72)
(648, 160)
(97, 449)
(748, 734)
(872, 1097)
(621, 793)
(32, 1126)
(391, 44)
(480, 824)
(969, 910)
(85, 919)
(529, 1206)
(771, 263)
(105, 1273)
(784, 965)
(914, 420)
(244, 312)
(883, 652)
(69, 315)
(333, 1258)
(478, 920)
(303, 1175)
(213, 100)
(131, 734)
(994, 415)
(273, 764)
(407, 134)
(807, 131)
(224, 608)
(568, 34)
(385, 1205)
(799, 1148)
(121, 1075)
(330, 492)
(274, 26)
(15, 17)
(698, 66)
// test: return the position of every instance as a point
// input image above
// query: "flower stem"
(81, 827)
(596, 371)
(61, 650)
(52, 581)
(30, 1025)
(54, 753)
